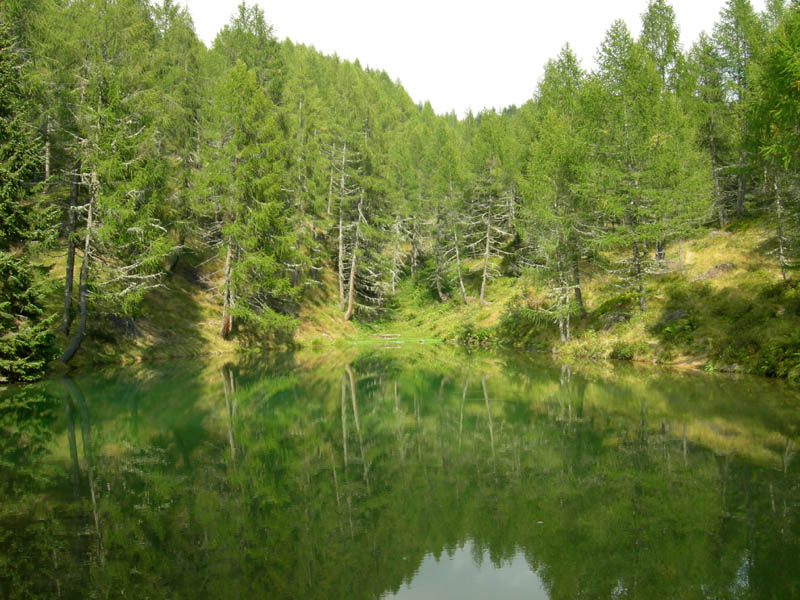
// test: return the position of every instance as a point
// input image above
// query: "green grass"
(739, 318)
(744, 319)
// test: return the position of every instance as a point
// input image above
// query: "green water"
(390, 473)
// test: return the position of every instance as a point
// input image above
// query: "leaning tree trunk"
(340, 259)
(80, 332)
(227, 299)
(458, 267)
(351, 291)
(66, 315)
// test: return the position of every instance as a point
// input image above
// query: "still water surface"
(410, 474)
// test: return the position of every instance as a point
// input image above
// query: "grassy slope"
(739, 317)
(181, 318)
(742, 319)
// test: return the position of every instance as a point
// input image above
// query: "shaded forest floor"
(725, 309)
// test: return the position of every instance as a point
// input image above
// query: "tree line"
(135, 145)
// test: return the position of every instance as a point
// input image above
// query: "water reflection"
(462, 574)
(383, 475)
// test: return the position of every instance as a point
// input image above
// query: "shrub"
(627, 350)
(471, 335)
(524, 326)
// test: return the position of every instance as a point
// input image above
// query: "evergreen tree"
(738, 35)
(116, 146)
(26, 344)
(774, 117)
(243, 206)
(557, 219)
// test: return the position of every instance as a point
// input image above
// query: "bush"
(781, 358)
(524, 326)
(473, 336)
(627, 350)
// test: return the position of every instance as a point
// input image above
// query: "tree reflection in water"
(354, 478)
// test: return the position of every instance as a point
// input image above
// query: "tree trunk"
(781, 240)
(352, 284)
(66, 315)
(227, 298)
(458, 268)
(413, 245)
(437, 274)
(661, 249)
(576, 281)
(176, 253)
(566, 296)
(47, 148)
(637, 266)
(486, 255)
(330, 191)
(353, 265)
(75, 344)
(740, 195)
(715, 174)
(340, 259)
(228, 388)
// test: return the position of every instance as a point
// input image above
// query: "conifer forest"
(274, 178)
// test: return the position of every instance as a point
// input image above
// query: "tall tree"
(737, 36)
(115, 144)
(557, 217)
(25, 341)
(775, 115)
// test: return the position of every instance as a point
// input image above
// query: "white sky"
(459, 54)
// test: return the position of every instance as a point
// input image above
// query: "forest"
(271, 173)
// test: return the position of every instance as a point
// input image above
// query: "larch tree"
(775, 114)
(26, 344)
(737, 36)
(122, 240)
(557, 217)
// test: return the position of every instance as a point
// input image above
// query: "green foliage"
(277, 164)
(473, 336)
(627, 350)
(26, 344)
(522, 326)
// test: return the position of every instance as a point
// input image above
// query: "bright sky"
(458, 54)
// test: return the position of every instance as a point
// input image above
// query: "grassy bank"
(718, 303)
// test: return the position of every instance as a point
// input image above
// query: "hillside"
(729, 311)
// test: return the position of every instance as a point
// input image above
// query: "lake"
(399, 472)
